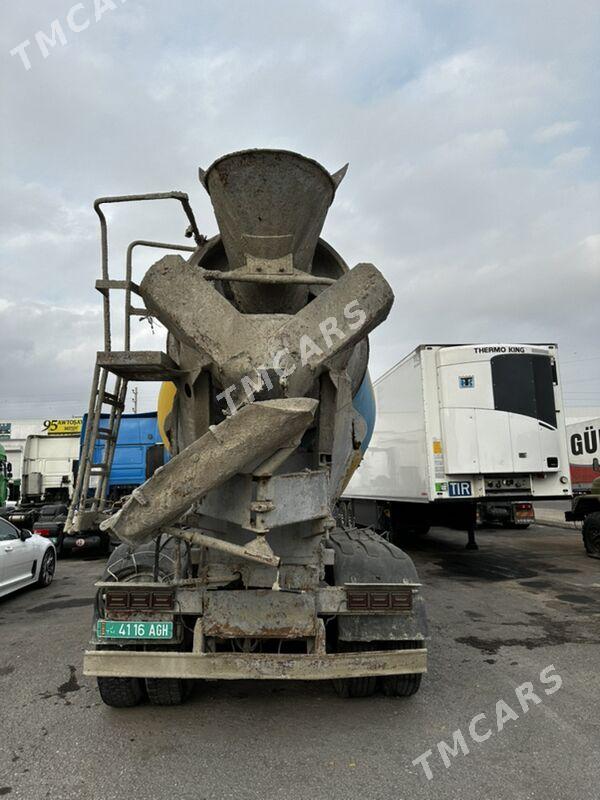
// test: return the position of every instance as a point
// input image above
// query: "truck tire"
(355, 687)
(127, 564)
(402, 685)
(167, 691)
(591, 534)
(121, 692)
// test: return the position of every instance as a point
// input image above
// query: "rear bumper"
(253, 666)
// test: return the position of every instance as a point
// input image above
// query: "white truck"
(460, 427)
(48, 464)
(584, 453)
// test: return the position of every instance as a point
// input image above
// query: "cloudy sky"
(471, 128)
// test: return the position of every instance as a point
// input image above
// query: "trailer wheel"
(355, 687)
(121, 692)
(402, 685)
(167, 691)
(591, 534)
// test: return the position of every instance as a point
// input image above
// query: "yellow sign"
(63, 427)
(437, 447)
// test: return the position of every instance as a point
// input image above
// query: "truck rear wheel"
(121, 692)
(166, 691)
(355, 687)
(591, 534)
(402, 685)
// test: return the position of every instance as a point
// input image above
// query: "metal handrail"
(128, 273)
(100, 201)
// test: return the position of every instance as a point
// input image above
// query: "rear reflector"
(136, 599)
(378, 600)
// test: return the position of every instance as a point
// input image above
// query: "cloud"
(572, 157)
(440, 108)
(555, 131)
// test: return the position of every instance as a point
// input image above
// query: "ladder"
(100, 427)
(107, 402)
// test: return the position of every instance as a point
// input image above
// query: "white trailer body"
(13, 435)
(584, 453)
(48, 467)
(467, 423)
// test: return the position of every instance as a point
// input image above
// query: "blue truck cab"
(138, 454)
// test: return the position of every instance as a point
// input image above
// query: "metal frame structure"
(81, 505)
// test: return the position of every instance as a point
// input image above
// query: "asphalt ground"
(498, 617)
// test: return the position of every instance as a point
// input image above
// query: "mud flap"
(362, 556)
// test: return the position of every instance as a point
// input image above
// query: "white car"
(25, 558)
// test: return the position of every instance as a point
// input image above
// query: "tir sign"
(459, 488)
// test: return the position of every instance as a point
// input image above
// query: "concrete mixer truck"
(232, 565)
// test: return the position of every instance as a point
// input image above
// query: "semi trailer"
(584, 448)
(584, 451)
(461, 429)
(231, 564)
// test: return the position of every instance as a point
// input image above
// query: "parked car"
(25, 558)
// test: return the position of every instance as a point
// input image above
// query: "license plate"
(114, 629)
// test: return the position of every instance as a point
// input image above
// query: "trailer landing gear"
(471, 541)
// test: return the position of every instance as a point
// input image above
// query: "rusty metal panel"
(261, 613)
(230, 501)
(253, 666)
(281, 500)
(295, 497)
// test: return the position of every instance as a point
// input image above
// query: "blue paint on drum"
(364, 403)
